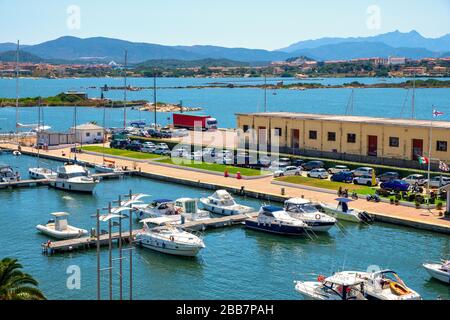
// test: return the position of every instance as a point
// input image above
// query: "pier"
(87, 243)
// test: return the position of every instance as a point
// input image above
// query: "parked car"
(298, 162)
(318, 173)
(416, 179)
(277, 165)
(245, 160)
(119, 144)
(265, 161)
(148, 147)
(439, 182)
(343, 176)
(365, 180)
(311, 165)
(134, 146)
(388, 176)
(179, 152)
(338, 169)
(194, 156)
(162, 149)
(364, 171)
(395, 185)
(288, 171)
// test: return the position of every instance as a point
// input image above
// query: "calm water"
(237, 263)
(222, 103)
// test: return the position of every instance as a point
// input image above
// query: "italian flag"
(424, 160)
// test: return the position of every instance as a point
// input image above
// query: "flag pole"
(429, 157)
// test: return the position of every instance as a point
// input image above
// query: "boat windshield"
(301, 208)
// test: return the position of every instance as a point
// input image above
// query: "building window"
(331, 136)
(441, 146)
(88, 134)
(245, 128)
(351, 138)
(278, 132)
(99, 134)
(313, 135)
(394, 142)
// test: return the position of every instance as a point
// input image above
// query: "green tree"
(15, 284)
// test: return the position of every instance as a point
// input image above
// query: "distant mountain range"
(100, 49)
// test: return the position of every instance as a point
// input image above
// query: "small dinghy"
(60, 229)
(343, 212)
(17, 153)
(439, 271)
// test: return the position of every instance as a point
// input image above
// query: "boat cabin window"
(267, 214)
(301, 208)
(190, 207)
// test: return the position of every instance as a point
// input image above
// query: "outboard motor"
(366, 217)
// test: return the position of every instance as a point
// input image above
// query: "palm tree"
(15, 284)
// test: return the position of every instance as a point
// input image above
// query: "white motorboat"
(108, 166)
(157, 208)
(343, 212)
(73, 177)
(275, 220)
(304, 210)
(169, 239)
(7, 174)
(60, 229)
(41, 173)
(439, 271)
(222, 203)
(190, 211)
(387, 285)
(341, 286)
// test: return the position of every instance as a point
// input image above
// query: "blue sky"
(231, 23)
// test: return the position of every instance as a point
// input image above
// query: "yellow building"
(374, 140)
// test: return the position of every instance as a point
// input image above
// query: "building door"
(372, 146)
(295, 139)
(417, 149)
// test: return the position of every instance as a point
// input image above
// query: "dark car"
(311, 165)
(343, 176)
(395, 185)
(388, 176)
(119, 144)
(134, 146)
(298, 162)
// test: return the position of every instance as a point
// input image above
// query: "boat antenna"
(265, 93)
(125, 92)
(17, 89)
(75, 131)
(154, 96)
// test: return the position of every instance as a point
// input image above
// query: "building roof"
(88, 126)
(351, 119)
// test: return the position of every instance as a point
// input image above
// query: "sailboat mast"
(17, 87)
(265, 93)
(125, 92)
(154, 96)
(39, 128)
(413, 107)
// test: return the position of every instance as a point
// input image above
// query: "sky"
(261, 24)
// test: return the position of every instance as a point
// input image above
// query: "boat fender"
(321, 278)
(318, 217)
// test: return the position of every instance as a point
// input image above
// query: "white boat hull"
(225, 211)
(104, 169)
(71, 233)
(168, 247)
(342, 216)
(435, 272)
(85, 187)
(41, 173)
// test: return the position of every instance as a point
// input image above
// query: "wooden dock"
(25, 184)
(87, 243)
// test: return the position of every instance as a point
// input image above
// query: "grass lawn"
(217, 168)
(121, 153)
(326, 184)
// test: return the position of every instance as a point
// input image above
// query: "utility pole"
(110, 254)
(120, 253)
(17, 90)
(98, 256)
(125, 92)
(154, 96)
(131, 246)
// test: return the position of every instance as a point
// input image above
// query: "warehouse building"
(397, 142)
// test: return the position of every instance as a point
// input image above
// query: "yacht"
(59, 228)
(304, 210)
(169, 239)
(341, 286)
(157, 208)
(387, 285)
(108, 167)
(439, 271)
(222, 203)
(275, 220)
(41, 173)
(7, 174)
(189, 210)
(343, 212)
(73, 177)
